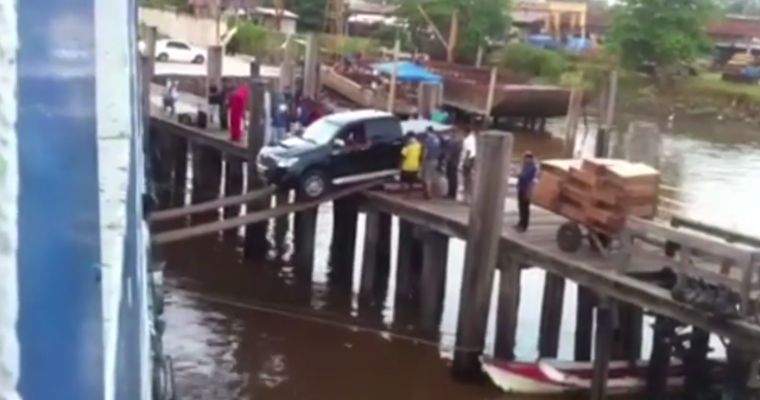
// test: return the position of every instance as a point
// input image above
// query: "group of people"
(429, 158)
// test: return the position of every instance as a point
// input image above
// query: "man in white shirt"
(469, 152)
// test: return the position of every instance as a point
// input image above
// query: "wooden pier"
(619, 284)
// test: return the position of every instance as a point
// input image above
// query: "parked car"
(328, 154)
(176, 51)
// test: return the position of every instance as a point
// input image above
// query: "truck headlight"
(287, 163)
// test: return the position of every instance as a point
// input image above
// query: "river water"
(240, 331)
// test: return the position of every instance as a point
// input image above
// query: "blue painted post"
(71, 166)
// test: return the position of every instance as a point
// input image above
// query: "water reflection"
(264, 332)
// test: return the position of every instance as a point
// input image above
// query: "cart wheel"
(569, 237)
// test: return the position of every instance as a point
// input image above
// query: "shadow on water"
(243, 331)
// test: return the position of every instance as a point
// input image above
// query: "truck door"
(349, 161)
(387, 140)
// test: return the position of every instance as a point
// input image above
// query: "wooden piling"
(304, 235)
(697, 373)
(659, 360)
(631, 320)
(376, 259)
(311, 67)
(281, 224)
(602, 349)
(233, 186)
(343, 245)
(481, 255)
(507, 307)
(179, 182)
(207, 167)
(738, 369)
(584, 323)
(255, 234)
(408, 261)
(162, 169)
(148, 69)
(551, 315)
(435, 257)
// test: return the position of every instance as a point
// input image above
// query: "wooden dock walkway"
(537, 247)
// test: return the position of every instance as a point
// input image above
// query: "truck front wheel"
(313, 184)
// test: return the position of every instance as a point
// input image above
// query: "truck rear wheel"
(313, 184)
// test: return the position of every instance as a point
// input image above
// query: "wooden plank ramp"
(211, 205)
(257, 216)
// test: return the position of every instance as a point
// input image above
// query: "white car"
(176, 51)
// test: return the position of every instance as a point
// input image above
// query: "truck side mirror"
(339, 143)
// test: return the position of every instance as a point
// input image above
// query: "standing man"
(451, 164)
(431, 153)
(524, 187)
(469, 152)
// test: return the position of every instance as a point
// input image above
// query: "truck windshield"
(321, 131)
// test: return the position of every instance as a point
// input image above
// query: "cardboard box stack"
(598, 193)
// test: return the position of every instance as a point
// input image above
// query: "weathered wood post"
(233, 186)
(631, 328)
(150, 145)
(659, 360)
(435, 258)
(311, 67)
(376, 259)
(343, 245)
(602, 145)
(507, 307)
(408, 261)
(255, 246)
(584, 323)
(696, 365)
(552, 305)
(602, 349)
(148, 69)
(179, 182)
(428, 98)
(305, 222)
(214, 72)
(481, 255)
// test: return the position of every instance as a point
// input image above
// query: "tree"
(667, 33)
(478, 21)
(311, 13)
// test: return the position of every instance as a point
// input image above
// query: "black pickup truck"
(339, 149)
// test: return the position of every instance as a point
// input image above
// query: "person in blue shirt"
(524, 186)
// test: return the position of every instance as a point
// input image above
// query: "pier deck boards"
(538, 247)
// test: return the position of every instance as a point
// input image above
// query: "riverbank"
(703, 95)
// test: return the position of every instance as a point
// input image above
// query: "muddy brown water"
(240, 331)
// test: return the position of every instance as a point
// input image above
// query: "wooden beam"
(723, 233)
(641, 227)
(254, 217)
(211, 205)
(205, 137)
(453, 35)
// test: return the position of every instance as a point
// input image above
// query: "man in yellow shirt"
(411, 156)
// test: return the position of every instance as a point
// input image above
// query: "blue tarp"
(407, 71)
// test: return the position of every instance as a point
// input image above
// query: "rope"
(296, 314)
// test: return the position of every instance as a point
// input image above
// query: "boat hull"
(556, 377)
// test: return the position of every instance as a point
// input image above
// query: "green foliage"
(255, 40)
(479, 20)
(531, 61)
(311, 13)
(665, 32)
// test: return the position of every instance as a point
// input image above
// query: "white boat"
(549, 376)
